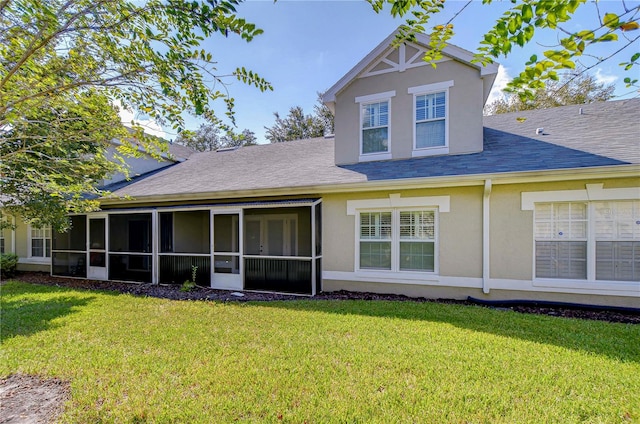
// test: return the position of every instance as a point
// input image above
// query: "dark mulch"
(202, 293)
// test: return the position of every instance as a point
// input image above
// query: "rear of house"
(416, 194)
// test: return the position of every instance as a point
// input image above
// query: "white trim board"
(413, 278)
(395, 201)
(593, 192)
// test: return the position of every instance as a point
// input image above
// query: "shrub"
(8, 263)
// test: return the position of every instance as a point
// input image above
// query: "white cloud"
(150, 126)
(499, 84)
(601, 78)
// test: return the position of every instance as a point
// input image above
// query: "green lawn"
(132, 359)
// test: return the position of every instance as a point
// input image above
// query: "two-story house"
(417, 193)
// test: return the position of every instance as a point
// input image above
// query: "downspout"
(486, 236)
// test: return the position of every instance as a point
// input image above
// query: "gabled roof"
(488, 72)
(605, 134)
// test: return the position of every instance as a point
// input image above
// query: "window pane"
(375, 225)
(37, 248)
(375, 115)
(226, 264)
(375, 255)
(618, 261)
(561, 221)
(430, 134)
(375, 140)
(417, 225)
(416, 256)
(226, 233)
(617, 220)
(561, 259)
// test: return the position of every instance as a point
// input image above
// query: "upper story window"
(430, 120)
(40, 242)
(431, 127)
(375, 126)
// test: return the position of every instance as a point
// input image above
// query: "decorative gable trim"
(406, 56)
(450, 51)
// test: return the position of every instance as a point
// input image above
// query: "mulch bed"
(202, 293)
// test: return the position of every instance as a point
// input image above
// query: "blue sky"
(309, 45)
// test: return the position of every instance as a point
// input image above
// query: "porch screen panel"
(318, 246)
(130, 233)
(130, 244)
(69, 249)
(226, 243)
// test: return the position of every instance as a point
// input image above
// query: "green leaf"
(611, 20)
(527, 12)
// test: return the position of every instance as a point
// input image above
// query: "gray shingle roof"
(605, 134)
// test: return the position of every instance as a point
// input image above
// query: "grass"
(133, 359)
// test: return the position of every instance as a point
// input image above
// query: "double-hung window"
(375, 122)
(40, 239)
(588, 240)
(431, 115)
(397, 240)
(375, 127)
(430, 119)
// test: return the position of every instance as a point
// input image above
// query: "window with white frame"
(430, 120)
(2, 246)
(40, 242)
(375, 127)
(588, 240)
(397, 240)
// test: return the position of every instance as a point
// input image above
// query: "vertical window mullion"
(395, 239)
(591, 242)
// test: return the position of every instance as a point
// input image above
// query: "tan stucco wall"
(465, 109)
(459, 232)
(512, 228)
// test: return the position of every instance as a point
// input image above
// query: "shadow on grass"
(28, 309)
(616, 341)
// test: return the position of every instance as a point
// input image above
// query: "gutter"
(615, 171)
(486, 236)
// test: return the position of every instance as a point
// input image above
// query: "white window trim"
(363, 101)
(36, 259)
(12, 233)
(430, 89)
(396, 204)
(592, 193)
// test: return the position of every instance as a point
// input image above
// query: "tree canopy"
(213, 137)
(519, 26)
(63, 66)
(569, 90)
(298, 126)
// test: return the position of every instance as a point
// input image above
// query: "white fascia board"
(570, 174)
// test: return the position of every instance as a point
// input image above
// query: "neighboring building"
(416, 194)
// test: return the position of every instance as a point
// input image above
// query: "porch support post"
(313, 250)
(155, 232)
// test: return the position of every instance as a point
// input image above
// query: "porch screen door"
(226, 251)
(97, 249)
